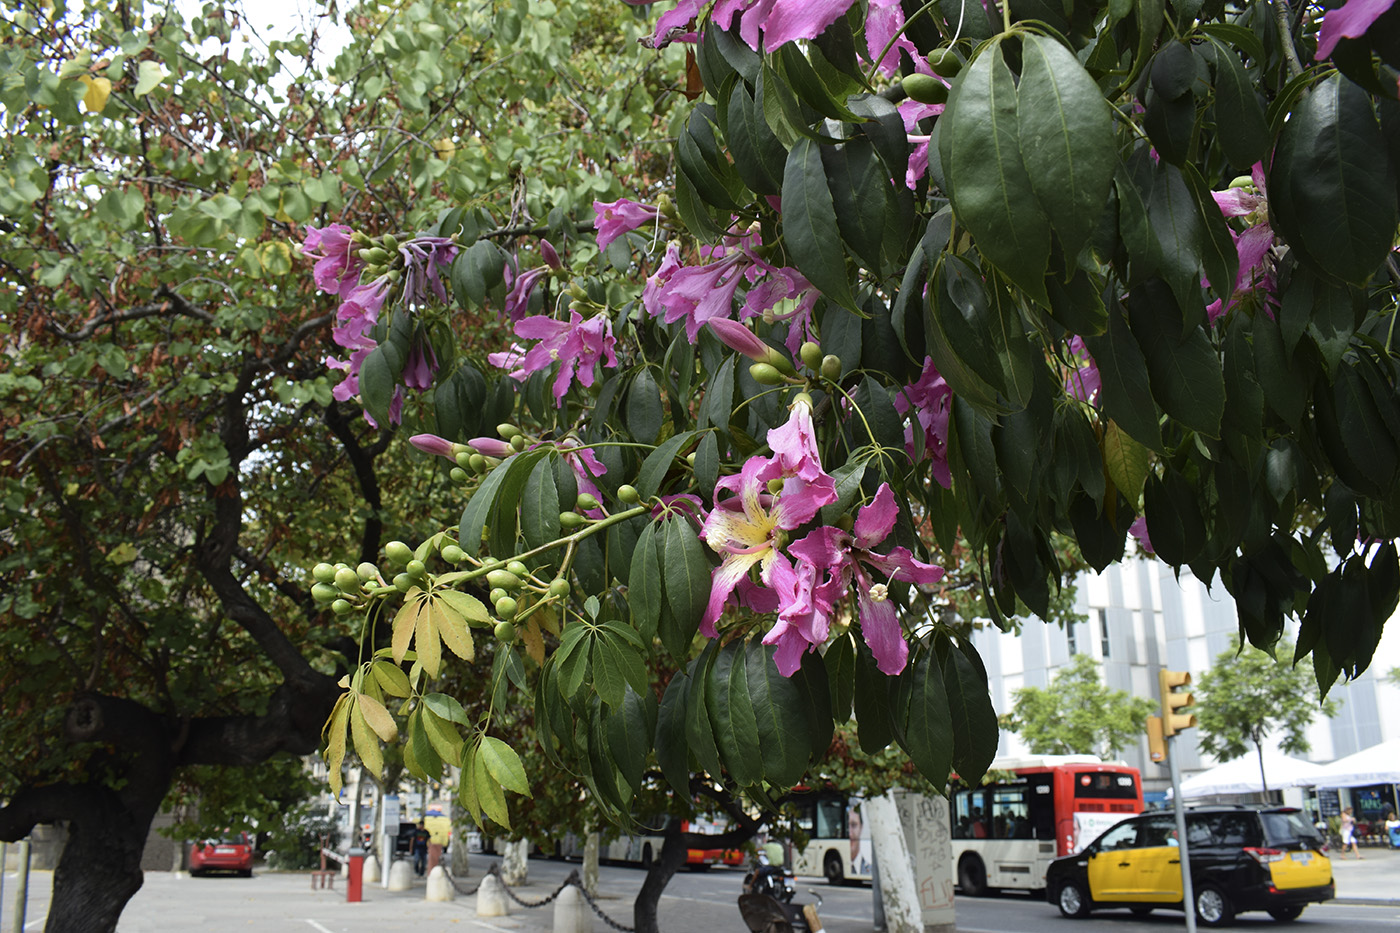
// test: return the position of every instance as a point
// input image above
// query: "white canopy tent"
(1379, 764)
(1241, 776)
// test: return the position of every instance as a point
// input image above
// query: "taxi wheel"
(1073, 901)
(1285, 914)
(1141, 911)
(1213, 908)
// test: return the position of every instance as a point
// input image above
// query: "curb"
(1366, 901)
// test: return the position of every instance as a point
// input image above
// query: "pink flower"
(337, 267)
(1084, 383)
(426, 259)
(930, 398)
(794, 444)
(420, 366)
(491, 447)
(1351, 21)
(657, 281)
(911, 112)
(522, 284)
(847, 556)
(674, 26)
(883, 21)
(1253, 245)
(586, 466)
(781, 21)
(576, 345)
(616, 218)
(739, 338)
(1138, 529)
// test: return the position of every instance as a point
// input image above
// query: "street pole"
(1188, 894)
(21, 888)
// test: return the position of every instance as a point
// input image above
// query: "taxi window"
(1237, 829)
(1122, 836)
(1198, 831)
(1157, 831)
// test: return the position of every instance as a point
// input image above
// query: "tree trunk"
(515, 867)
(100, 869)
(663, 869)
(898, 889)
(1263, 778)
(591, 845)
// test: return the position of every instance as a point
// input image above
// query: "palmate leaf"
(1066, 139)
(980, 148)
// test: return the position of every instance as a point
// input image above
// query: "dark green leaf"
(687, 573)
(970, 711)
(1239, 118)
(809, 216)
(672, 750)
(927, 733)
(658, 463)
(1185, 373)
(1126, 394)
(784, 733)
(644, 411)
(731, 712)
(539, 506)
(644, 592)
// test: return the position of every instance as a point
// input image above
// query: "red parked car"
(229, 852)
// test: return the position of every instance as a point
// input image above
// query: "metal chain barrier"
(573, 879)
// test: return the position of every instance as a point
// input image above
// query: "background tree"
(174, 456)
(1249, 695)
(1077, 714)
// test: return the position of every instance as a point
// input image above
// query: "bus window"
(1042, 804)
(830, 818)
(969, 820)
(1010, 812)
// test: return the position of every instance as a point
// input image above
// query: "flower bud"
(347, 580)
(491, 447)
(811, 354)
(398, 552)
(477, 462)
(453, 554)
(506, 431)
(367, 572)
(586, 502)
(323, 573)
(506, 608)
(518, 568)
(438, 446)
(518, 442)
(628, 493)
(324, 592)
(459, 476)
(416, 569)
(831, 367)
(505, 630)
(570, 519)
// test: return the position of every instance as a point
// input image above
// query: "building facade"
(1139, 618)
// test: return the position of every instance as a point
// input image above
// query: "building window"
(1103, 631)
(1071, 640)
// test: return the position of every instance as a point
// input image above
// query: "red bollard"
(356, 878)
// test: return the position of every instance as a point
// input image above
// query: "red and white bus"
(1006, 833)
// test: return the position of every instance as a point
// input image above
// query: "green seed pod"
(506, 608)
(505, 631)
(347, 580)
(811, 355)
(628, 494)
(497, 595)
(416, 569)
(585, 501)
(453, 554)
(517, 568)
(507, 431)
(398, 552)
(944, 62)
(570, 519)
(367, 572)
(559, 587)
(766, 374)
(324, 592)
(341, 606)
(518, 442)
(926, 89)
(464, 459)
(504, 579)
(323, 573)
(390, 243)
(831, 367)
(403, 582)
(477, 462)
(458, 475)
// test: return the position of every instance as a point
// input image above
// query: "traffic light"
(1156, 744)
(1173, 721)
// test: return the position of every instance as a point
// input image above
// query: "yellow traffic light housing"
(1173, 719)
(1156, 744)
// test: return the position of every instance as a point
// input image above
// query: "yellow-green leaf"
(468, 607)
(366, 742)
(489, 792)
(447, 741)
(148, 76)
(391, 679)
(378, 718)
(453, 630)
(1125, 461)
(504, 765)
(334, 737)
(467, 793)
(426, 640)
(533, 639)
(98, 90)
(404, 623)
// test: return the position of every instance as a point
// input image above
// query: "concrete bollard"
(571, 912)
(400, 875)
(369, 872)
(491, 898)
(440, 886)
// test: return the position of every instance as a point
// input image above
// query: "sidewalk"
(1371, 880)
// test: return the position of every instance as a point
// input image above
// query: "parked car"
(228, 852)
(1242, 858)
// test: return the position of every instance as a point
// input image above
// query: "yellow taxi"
(1242, 858)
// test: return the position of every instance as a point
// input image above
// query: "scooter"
(766, 904)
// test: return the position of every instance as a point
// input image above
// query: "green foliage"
(1249, 695)
(1077, 714)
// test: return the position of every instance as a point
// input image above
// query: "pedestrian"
(1349, 832)
(420, 848)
